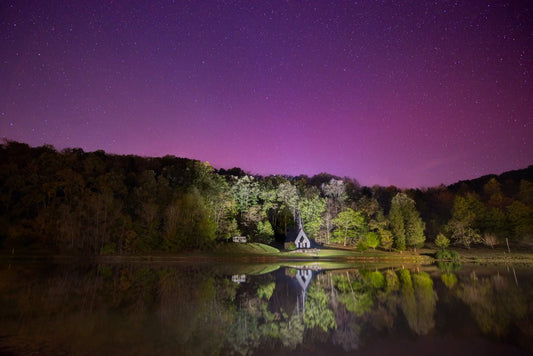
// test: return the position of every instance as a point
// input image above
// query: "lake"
(215, 308)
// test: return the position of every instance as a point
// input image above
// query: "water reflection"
(193, 310)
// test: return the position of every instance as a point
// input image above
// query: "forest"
(98, 203)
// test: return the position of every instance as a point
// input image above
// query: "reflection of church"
(303, 277)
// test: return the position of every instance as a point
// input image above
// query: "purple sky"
(410, 93)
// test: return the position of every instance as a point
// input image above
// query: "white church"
(301, 241)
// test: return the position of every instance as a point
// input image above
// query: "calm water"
(184, 309)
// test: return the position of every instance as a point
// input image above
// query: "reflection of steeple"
(304, 277)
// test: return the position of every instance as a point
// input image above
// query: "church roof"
(295, 234)
(298, 235)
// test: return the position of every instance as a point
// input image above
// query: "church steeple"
(302, 241)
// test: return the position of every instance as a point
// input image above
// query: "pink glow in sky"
(411, 93)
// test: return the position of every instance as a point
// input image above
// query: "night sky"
(410, 93)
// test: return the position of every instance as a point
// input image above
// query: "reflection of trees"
(244, 332)
(291, 331)
(347, 333)
(192, 308)
(357, 303)
(355, 294)
(378, 295)
(449, 266)
(317, 311)
(366, 298)
(139, 309)
(426, 302)
(342, 307)
(494, 302)
(266, 290)
(449, 279)
(418, 301)
(115, 310)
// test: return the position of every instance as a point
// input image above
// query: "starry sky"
(409, 93)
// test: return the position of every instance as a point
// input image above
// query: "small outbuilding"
(238, 278)
(239, 239)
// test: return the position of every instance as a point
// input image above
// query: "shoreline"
(422, 256)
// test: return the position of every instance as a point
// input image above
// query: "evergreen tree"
(414, 232)
(397, 224)
(406, 224)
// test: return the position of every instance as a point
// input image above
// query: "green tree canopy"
(349, 225)
(311, 210)
(466, 213)
(406, 224)
(442, 241)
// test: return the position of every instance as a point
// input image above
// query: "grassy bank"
(255, 250)
(260, 253)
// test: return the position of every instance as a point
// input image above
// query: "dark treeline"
(93, 202)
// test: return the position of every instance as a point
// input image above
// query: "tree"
(462, 233)
(225, 212)
(442, 242)
(335, 193)
(245, 191)
(371, 210)
(264, 232)
(406, 224)
(526, 192)
(250, 219)
(414, 231)
(188, 223)
(520, 219)
(372, 239)
(288, 197)
(397, 225)
(465, 213)
(335, 190)
(269, 200)
(349, 224)
(493, 193)
(490, 240)
(494, 222)
(311, 210)
(386, 239)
